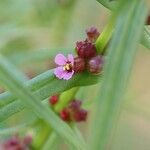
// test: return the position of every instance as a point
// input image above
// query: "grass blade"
(9, 109)
(129, 26)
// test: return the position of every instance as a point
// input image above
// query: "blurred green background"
(33, 31)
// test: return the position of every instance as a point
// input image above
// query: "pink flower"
(65, 66)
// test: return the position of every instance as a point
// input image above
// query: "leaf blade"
(120, 56)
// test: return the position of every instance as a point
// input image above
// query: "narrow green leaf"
(33, 84)
(13, 130)
(8, 78)
(43, 91)
(51, 143)
(26, 57)
(129, 27)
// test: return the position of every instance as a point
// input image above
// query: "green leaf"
(8, 78)
(33, 84)
(43, 86)
(28, 57)
(121, 53)
(52, 142)
(13, 130)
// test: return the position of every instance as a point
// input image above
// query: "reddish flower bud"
(54, 99)
(80, 115)
(75, 105)
(92, 34)
(85, 49)
(79, 64)
(12, 143)
(95, 64)
(16, 143)
(65, 114)
(148, 20)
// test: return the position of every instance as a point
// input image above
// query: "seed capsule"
(80, 115)
(65, 114)
(92, 34)
(54, 99)
(95, 64)
(75, 105)
(79, 64)
(85, 49)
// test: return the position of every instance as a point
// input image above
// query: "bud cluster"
(74, 112)
(17, 143)
(87, 58)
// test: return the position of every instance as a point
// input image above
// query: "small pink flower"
(65, 66)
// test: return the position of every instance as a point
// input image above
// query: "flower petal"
(59, 72)
(68, 75)
(60, 59)
(71, 58)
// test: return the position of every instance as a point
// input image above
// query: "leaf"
(51, 142)
(121, 53)
(33, 84)
(24, 57)
(43, 86)
(13, 130)
(8, 78)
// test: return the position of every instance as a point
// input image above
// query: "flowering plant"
(44, 107)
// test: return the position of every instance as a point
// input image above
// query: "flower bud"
(75, 105)
(79, 64)
(12, 143)
(65, 115)
(92, 34)
(80, 115)
(85, 49)
(95, 64)
(54, 99)
(17, 143)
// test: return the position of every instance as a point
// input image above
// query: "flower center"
(67, 67)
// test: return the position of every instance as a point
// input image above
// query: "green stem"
(65, 98)
(42, 135)
(105, 36)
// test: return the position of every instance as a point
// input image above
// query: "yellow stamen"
(67, 67)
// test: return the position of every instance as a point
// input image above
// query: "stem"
(42, 135)
(105, 36)
(65, 98)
